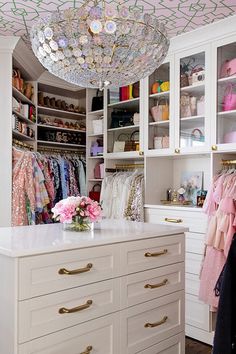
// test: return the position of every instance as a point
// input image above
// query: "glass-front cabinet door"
(192, 109)
(160, 129)
(225, 132)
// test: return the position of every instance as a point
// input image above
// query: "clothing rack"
(19, 143)
(125, 167)
(61, 151)
(228, 162)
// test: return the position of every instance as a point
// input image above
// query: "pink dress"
(221, 229)
(23, 187)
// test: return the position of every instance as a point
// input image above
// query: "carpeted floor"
(194, 347)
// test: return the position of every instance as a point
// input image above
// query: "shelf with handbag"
(163, 123)
(133, 102)
(159, 94)
(198, 88)
(123, 128)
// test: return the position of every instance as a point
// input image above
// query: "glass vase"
(79, 224)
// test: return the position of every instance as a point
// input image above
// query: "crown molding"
(8, 43)
(202, 35)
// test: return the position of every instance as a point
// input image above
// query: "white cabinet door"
(149, 323)
(101, 336)
(50, 313)
(197, 313)
(193, 119)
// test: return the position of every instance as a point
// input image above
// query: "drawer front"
(197, 313)
(101, 334)
(150, 284)
(39, 275)
(173, 345)
(195, 243)
(152, 322)
(196, 221)
(151, 253)
(193, 263)
(192, 284)
(50, 313)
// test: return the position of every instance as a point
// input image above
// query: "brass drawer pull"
(63, 310)
(156, 324)
(156, 254)
(76, 271)
(87, 350)
(154, 286)
(175, 221)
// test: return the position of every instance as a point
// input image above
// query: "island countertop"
(24, 241)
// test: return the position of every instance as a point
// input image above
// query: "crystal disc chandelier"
(97, 45)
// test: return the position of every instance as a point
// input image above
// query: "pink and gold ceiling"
(179, 16)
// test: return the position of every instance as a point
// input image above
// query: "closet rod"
(228, 162)
(61, 151)
(124, 167)
(19, 143)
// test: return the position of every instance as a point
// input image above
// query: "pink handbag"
(229, 100)
(228, 68)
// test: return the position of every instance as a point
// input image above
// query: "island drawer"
(173, 345)
(147, 324)
(44, 274)
(50, 313)
(151, 253)
(101, 334)
(151, 284)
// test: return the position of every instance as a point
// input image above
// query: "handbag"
(135, 92)
(201, 106)
(160, 111)
(185, 110)
(197, 135)
(133, 143)
(229, 99)
(193, 105)
(121, 118)
(97, 102)
(228, 68)
(119, 144)
(95, 194)
(184, 80)
(97, 171)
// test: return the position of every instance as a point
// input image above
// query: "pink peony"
(94, 210)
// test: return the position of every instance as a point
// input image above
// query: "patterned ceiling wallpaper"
(17, 16)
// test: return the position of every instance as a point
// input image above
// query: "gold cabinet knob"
(177, 151)
(214, 147)
(141, 153)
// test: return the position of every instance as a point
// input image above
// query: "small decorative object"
(165, 86)
(201, 196)
(88, 47)
(156, 87)
(77, 213)
(181, 192)
(192, 183)
(169, 194)
(174, 197)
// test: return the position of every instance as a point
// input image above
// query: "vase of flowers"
(77, 213)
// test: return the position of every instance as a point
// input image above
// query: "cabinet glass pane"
(226, 94)
(123, 119)
(159, 121)
(192, 101)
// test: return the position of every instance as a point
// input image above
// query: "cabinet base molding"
(199, 334)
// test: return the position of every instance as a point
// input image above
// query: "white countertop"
(32, 240)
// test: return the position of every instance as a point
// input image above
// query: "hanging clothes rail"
(228, 162)
(62, 151)
(124, 167)
(19, 143)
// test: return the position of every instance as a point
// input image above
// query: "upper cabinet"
(192, 97)
(224, 137)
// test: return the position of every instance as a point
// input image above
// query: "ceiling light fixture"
(98, 46)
